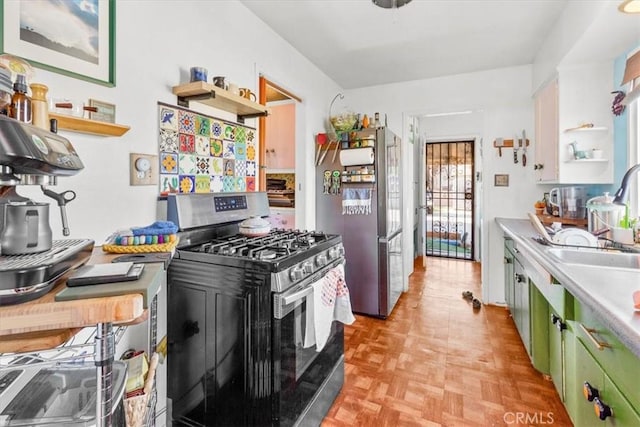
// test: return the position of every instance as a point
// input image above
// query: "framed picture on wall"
(501, 180)
(71, 37)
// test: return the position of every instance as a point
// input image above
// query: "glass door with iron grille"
(450, 195)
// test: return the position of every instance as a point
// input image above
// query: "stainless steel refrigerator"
(371, 234)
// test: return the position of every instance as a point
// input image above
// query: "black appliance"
(237, 312)
(31, 263)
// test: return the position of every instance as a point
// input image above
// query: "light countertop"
(605, 290)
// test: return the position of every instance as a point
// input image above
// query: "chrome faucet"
(620, 196)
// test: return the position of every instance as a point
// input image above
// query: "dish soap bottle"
(20, 108)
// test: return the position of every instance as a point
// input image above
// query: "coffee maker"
(31, 262)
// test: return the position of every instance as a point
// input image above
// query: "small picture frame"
(501, 180)
(105, 112)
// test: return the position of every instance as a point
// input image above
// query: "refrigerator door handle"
(387, 239)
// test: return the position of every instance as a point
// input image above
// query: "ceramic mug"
(219, 81)
(246, 93)
(198, 74)
(233, 88)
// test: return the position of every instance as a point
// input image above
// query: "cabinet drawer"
(558, 298)
(619, 363)
(589, 371)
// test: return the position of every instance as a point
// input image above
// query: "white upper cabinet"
(575, 146)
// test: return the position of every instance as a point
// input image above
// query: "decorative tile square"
(216, 128)
(228, 184)
(251, 183)
(241, 168)
(202, 166)
(241, 184)
(240, 135)
(216, 166)
(168, 118)
(187, 164)
(202, 145)
(203, 126)
(200, 153)
(228, 150)
(216, 184)
(229, 132)
(186, 122)
(216, 147)
(241, 150)
(168, 163)
(169, 183)
(187, 183)
(169, 140)
(203, 183)
(251, 151)
(187, 143)
(229, 167)
(251, 168)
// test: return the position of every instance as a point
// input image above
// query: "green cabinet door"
(508, 274)
(521, 314)
(557, 328)
(623, 414)
(608, 403)
(589, 384)
(539, 321)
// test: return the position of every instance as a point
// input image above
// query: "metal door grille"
(450, 196)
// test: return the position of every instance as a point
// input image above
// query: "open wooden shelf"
(216, 97)
(93, 127)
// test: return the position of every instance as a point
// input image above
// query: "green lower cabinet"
(595, 398)
(540, 333)
(558, 340)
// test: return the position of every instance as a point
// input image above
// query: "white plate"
(575, 237)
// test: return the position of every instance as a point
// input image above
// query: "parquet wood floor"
(438, 362)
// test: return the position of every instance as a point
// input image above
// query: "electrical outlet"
(143, 169)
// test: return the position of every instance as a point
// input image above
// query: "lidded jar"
(603, 213)
(39, 105)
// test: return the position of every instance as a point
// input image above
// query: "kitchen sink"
(598, 258)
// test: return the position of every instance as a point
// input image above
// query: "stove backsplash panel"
(204, 154)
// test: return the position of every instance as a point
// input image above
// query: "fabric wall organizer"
(204, 154)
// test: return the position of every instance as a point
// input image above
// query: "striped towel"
(356, 201)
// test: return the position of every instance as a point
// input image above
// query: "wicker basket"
(135, 410)
(161, 247)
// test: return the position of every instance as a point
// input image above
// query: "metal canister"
(603, 213)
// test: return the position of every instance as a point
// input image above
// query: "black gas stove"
(236, 310)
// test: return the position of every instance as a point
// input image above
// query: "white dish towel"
(329, 301)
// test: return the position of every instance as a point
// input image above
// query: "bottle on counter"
(365, 121)
(20, 108)
(376, 121)
(40, 106)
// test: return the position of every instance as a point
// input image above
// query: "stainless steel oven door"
(301, 372)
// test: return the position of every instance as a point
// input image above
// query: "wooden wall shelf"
(216, 97)
(93, 127)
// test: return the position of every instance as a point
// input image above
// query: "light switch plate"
(143, 169)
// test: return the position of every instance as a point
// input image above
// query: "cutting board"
(145, 286)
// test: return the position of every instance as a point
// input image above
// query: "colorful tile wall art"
(203, 154)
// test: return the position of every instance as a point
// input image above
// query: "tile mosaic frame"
(200, 153)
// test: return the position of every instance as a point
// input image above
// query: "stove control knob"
(321, 260)
(296, 274)
(336, 252)
(307, 267)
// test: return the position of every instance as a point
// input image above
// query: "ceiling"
(359, 44)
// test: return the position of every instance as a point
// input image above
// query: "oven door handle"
(284, 303)
(298, 295)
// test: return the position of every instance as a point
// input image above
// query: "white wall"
(155, 47)
(503, 100)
